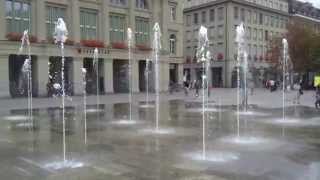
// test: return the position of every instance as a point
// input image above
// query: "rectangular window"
(204, 16)
(235, 30)
(53, 13)
(249, 16)
(236, 12)
(188, 35)
(220, 31)
(277, 22)
(211, 32)
(173, 12)
(260, 34)
(243, 15)
(117, 28)
(119, 2)
(261, 19)
(249, 33)
(188, 20)
(18, 15)
(195, 18)
(220, 14)
(255, 17)
(212, 15)
(266, 35)
(88, 24)
(142, 31)
(266, 20)
(195, 34)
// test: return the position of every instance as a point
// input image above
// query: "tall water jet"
(129, 34)
(60, 37)
(84, 84)
(156, 48)
(284, 65)
(147, 70)
(27, 72)
(96, 67)
(203, 56)
(245, 89)
(240, 39)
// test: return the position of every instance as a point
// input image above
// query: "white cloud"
(314, 2)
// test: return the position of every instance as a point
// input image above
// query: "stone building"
(91, 23)
(263, 19)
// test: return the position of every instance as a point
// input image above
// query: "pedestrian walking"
(197, 87)
(317, 103)
(273, 85)
(300, 92)
(185, 85)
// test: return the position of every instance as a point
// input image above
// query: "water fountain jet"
(96, 67)
(240, 39)
(27, 72)
(203, 56)
(130, 37)
(84, 84)
(60, 37)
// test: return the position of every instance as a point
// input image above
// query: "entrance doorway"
(173, 73)
(91, 76)
(17, 79)
(120, 76)
(216, 76)
(55, 64)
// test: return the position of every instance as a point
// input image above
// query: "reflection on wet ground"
(268, 147)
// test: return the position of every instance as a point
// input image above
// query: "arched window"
(172, 44)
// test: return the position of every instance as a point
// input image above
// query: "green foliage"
(304, 48)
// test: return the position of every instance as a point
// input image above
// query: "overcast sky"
(314, 2)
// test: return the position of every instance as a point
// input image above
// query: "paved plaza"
(226, 96)
(104, 143)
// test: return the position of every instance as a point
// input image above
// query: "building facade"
(91, 23)
(263, 19)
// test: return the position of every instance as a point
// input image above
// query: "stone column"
(75, 16)
(77, 76)
(180, 73)
(105, 23)
(135, 76)
(4, 76)
(3, 20)
(165, 13)
(108, 75)
(131, 19)
(164, 76)
(41, 20)
(33, 24)
(42, 69)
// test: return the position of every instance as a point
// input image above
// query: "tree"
(304, 48)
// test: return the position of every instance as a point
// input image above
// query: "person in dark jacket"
(197, 87)
(317, 103)
(300, 92)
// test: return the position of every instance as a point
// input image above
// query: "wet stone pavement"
(267, 147)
